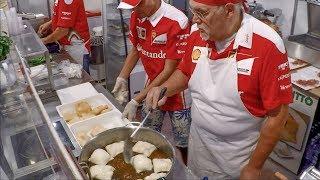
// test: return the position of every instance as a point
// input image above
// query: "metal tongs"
(129, 143)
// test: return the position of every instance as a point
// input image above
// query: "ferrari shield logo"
(153, 34)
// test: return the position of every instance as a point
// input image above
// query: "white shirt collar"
(245, 33)
(156, 17)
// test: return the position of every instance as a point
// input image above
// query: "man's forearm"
(176, 83)
(162, 77)
(56, 35)
(269, 136)
(130, 63)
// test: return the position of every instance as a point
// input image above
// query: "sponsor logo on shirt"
(142, 32)
(285, 87)
(180, 52)
(196, 53)
(153, 34)
(65, 18)
(284, 76)
(245, 66)
(68, 2)
(283, 66)
(199, 52)
(181, 44)
(153, 55)
(66, 13)
(183, 36)
(161, 39)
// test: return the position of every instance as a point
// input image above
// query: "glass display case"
(31, 147)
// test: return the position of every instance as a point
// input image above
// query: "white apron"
(223, 133)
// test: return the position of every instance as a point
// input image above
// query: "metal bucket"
(120, 134)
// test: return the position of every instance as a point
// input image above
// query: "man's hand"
(120, 90)
(44, 28)
(153, 97)
(130, 110)
(250, 173)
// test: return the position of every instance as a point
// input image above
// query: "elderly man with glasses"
(236, 68)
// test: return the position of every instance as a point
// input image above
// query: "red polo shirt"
(71, 14)
(157, 38)
(264, 80)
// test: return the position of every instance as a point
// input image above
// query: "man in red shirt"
(158, 32)
(70, 27)
(236, 68)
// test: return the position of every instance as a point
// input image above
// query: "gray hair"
(238, 8)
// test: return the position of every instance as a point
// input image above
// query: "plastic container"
(93, 101)
(3, 22)
(106, 121)
(8, 76)
(75, 93)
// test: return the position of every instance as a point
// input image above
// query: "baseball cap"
(223, 2)
(218, 2)
(128, 4)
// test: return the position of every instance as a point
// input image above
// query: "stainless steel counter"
(50, 103)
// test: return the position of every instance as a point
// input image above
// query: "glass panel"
(30, 143)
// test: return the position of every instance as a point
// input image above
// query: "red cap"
(128, 4)
(222, 2)
(218, 2)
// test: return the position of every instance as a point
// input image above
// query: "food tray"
(302, 129)
(107, 121)
(93, 101)
(293, 65)
(75, 93)
(307, 73)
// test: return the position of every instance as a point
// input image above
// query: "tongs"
(129, 143)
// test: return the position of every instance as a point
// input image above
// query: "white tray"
(294, 66)
(108, 121)
(75, 93)
(93, 101)
(301, 131)
(306, 73)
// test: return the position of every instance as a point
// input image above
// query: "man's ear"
(230, 9)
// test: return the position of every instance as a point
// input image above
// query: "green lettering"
(297, 96)
(302, 98)
(309, 101)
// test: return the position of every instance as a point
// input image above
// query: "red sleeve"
(133, 34)
(176, 40)
(68, 12)
(275, 80)
(186, 66)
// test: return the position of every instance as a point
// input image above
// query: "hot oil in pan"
(124, 171)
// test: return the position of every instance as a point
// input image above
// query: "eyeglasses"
(201, 15)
